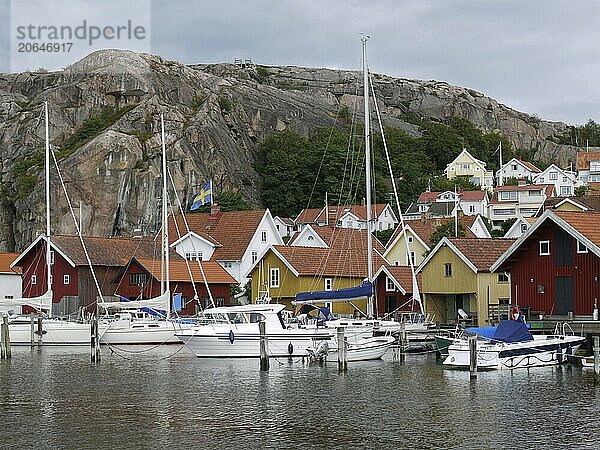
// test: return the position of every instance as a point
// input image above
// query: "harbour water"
(167, 398)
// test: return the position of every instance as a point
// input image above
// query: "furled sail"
(44, 301)
(161, 302)
(361, 292)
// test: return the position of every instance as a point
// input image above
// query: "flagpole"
(501, 180)
(455, 212)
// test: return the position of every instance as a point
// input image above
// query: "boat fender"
(231, 336)
(42, 333)
(290, 348)
(515, 313)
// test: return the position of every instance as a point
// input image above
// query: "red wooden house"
(141, 279)
(555, 265)
(73, 285)
(393, 287)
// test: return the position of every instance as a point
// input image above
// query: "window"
(66, 279)
(410, 261)
(581, 248)
(503, 277)
(409, 239)
(464, 166)
(523, 228)
(51, 257)
(227, 264)
(564, 179)
(193, 256)
(263, 236)
(565, 190)
(541, 180)
(544, 248)
(220, 301)
(329, 306)
(508, 195)
(595, 166)
(448, 269)
(552, 176)
(513, 167)
(389, 285)
(137, 279)
(274, 278)
(254, 256)
(328, 284)
(504, 212)
(541, 289)
(471, 208)
(33, 279)
(9, 296)
(310, 238)
(396, 263)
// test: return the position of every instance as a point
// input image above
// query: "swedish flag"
(204, 197)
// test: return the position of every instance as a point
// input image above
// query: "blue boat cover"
(486, 332)
(356, 292)
(512, 331)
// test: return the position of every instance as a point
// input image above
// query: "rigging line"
(187, 227)
(87, 256)
(403, 229)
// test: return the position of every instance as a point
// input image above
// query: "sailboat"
(53, 331)
(131, 325)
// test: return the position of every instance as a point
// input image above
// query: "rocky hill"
(105, 126)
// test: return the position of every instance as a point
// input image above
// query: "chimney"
(215, 210)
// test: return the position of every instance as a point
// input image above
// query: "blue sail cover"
(353, 293)
(486, 332)
(512, 331)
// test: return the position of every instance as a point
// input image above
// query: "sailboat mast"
(47, 168)
(364, 40)
(165, 246)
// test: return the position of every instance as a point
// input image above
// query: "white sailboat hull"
(243, 341)
(135, 333)
(54, 332)
(367, 349)
(542, 351)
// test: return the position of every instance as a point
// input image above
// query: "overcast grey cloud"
(537, 56)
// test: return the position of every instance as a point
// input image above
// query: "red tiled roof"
(309, 215)
(472, 196)
(113, 251)
(482, 252)
(584, 158)
(586, 222)
(334, 212)
(346, 256)
(178, 271)
(6, 260)
(403, 275)
(428, 196)
(232, 229)
(530, 166)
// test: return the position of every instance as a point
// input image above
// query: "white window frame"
(546, 252)
(193, 256)
(509, 195)
(409, 239)
(274, 277)
(328, 286)
(523, 228)
(389, 285)
(253, 256)
(51, 257)
(227, 264)
(565, 190)
(553, 176)
(412, 256)
(503, 281)
(581, 248)
(263, 236)
(34, 279)
(66, 279)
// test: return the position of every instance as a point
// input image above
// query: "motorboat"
(512, 346)
(233, 332)
(364, 349)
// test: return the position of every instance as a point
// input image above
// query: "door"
(565, 295)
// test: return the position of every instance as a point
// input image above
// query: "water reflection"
(56, 398)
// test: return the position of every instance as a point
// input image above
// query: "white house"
(442, 204)
(516, 168)
(523, 200)
(235, 239)
(466, 165)
(285, 226)
(588, 167)
(10, 280)
(564, 181)
(519, 228)
(308, 237)
(348, 216)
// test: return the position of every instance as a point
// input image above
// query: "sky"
(536, 56)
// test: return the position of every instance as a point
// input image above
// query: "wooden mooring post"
(472, 357)
(94, 340)
(402, 341)
(5, 352)
(32, 330)
(596, 359)
(342, 350)
(264, 344)
(40, 330)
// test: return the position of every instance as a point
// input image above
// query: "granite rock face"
(215, 117)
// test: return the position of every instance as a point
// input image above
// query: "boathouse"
(555, 265)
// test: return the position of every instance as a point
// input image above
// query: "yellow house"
(456, 275)
(340, 262)
(466, 165)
